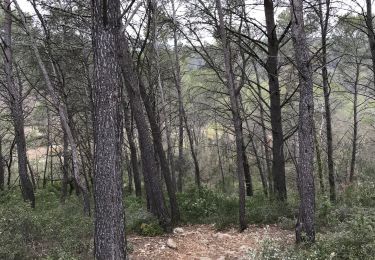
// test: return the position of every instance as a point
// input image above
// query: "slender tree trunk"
(197, 174)
(237, 122)
(48, 146)
(157, 138)
(2, 172)
(264, 133)
(278, 161)
(167, 129)
(133, 152)
(62, 114)
(355, 124)
(177, 76)
(15, 101)
(150, 171)
(371, 34)
(65, 171)
(319, 162)
(246, 167)
(108, 191)
(219, 157)
(129, 171)
(31, 174)
(9, 165)
(305, 227)
(326, 91)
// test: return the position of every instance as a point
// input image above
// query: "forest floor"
(203, 242)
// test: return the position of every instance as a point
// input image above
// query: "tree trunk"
(219, 157)
(2, 172)
(326, 91)
(370, 34)
(319, 162)
(62, 114)
(193, 153)
(150, 171)
(157, 138)
(305, 227)
(15, 102)
(236, 118)
(133, 152)
(278, 161)
(108, 191)
(167, 129)
(355, 124)
(264, 133)
(65, 170)
(9, 165)
(177, 77)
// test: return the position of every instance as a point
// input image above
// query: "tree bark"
(133, 152)
(15, 102)
(150, 171)
(197, 174)
(2, 172)
(177, 77)
(319, 162)
(355, 124)
(370, 34)
(236, 117)
(326, 91)
(108, 192)
(305, 227)
(264, 134)
(278, 161)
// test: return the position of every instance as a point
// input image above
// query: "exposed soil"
(203, 242)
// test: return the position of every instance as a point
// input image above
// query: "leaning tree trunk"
(197, 175)
(236, 117)
(108, 191)
(278, 161)
(15, 102)
(150, 170)
(61, 107)
(305, 227)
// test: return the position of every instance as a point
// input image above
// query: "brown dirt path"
(203, 242)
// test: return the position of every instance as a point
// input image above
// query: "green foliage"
(207, 206)
(347, 230)
(60, 230)
(138, 220)
(261, 210)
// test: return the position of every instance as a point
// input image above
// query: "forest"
(196, 129)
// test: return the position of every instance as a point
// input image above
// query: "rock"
(204, 241)
(171, 243)
(222, 236)
(244, 248)
(178, 230)
(204, 258)
(221, 258)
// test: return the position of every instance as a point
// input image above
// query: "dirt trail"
(203, 242)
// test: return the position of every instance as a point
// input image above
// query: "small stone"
(204, 258)
(178, 230)
(171, 243)
(221, 258)
(244, 248)
(204, 241)
(223, 236)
